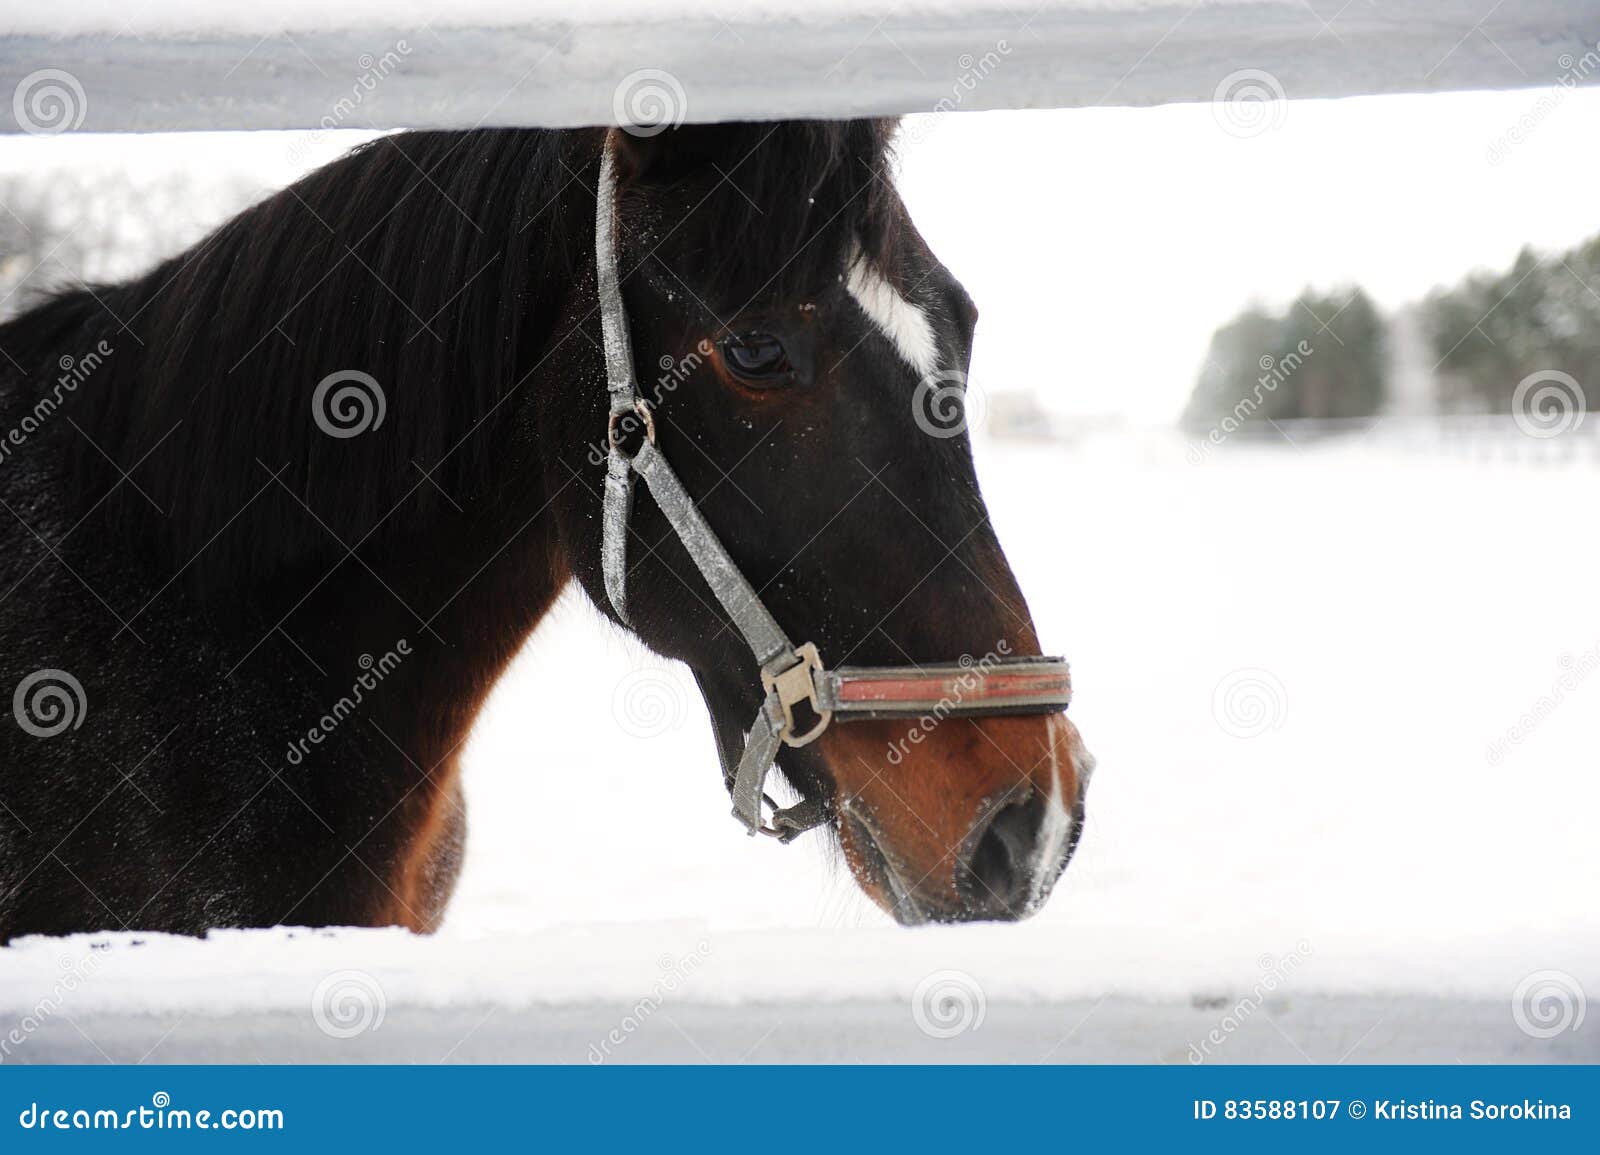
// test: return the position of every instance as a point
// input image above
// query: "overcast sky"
(1104, 245)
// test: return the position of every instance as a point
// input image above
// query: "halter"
(791, 675)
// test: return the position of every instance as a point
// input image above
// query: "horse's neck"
(426, 640)
(449, 619)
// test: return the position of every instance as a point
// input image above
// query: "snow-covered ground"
(1384, 623)
(1300, 668)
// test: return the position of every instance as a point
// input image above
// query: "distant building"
(1017, 416)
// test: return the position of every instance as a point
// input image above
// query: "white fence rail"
(94, 65)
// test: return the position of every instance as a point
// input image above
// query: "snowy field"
(1300, 669)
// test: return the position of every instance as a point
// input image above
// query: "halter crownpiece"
(791, 675)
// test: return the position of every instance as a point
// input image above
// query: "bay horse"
(279, 513)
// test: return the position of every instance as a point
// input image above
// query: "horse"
(280, 511)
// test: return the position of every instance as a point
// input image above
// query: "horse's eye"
(757, 358)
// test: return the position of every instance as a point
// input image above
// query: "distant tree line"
(1324, 357)
(64, 227)
(1328, 354)
(1492, 330)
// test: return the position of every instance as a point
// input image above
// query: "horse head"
(802, 354)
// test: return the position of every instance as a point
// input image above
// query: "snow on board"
(108, 66)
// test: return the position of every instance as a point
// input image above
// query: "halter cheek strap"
(791, 675)
(618, 501)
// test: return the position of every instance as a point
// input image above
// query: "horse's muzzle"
(1004, 871)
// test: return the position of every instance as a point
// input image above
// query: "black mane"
(439, 263)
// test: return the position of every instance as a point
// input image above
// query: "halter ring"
(642, 408)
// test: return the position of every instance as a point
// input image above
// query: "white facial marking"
(906, 325)
(1056, 829)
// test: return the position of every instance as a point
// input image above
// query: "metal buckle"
(798, 684)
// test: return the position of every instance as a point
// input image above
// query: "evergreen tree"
(1324, 357)
(1492, 330)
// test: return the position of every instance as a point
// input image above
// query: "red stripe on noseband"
(967, 687)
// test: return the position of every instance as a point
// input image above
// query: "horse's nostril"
(998, 880)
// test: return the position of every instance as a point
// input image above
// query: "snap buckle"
(795, 684)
